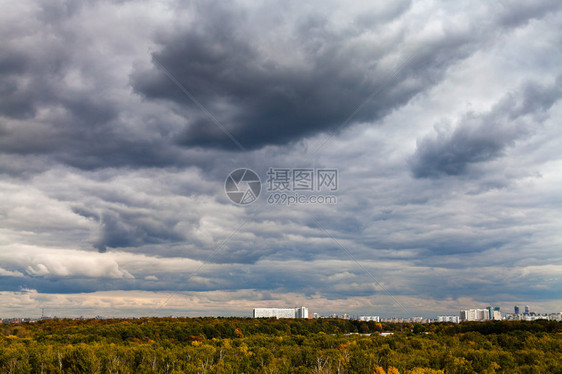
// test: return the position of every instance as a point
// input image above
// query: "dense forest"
(243, 345)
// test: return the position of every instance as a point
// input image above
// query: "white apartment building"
(555, 316)
(299, 312)
(475, 315)
(454, 319)
(369, 318)
(481, 314)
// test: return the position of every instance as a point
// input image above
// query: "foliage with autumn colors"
(243, 345)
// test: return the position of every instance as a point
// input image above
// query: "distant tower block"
(298, 312)
(516, 309)
(526, 309)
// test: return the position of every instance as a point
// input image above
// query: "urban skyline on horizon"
(526, 310)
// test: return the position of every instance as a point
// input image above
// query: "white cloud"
(10, 273)
(49, 262)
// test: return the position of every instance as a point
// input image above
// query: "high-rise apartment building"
(454, 319)
(301, 312)
(481, 314)
(475, 315)
(369, 318)
(298, 312)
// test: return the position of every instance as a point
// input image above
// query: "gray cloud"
(484, 137)
(101, 152)
(515, 13)
(65, 95)
(60, 96)
(265, 97)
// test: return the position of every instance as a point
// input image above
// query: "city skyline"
(208, 157)
(299, 311)
(473, 315)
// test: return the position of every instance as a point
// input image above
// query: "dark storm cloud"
(122, 230)
(82, 128)
(264, 97)
(268, 79)
(484, 137)
(62, 285)
(128, 219)
(59, 97)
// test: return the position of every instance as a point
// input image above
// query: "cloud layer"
(120, 121)
(484, 137)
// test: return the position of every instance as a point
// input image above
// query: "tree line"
(244, 345)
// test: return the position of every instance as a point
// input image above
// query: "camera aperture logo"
(243, 186)
(286, 186)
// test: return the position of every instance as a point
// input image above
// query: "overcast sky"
(120, 122)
